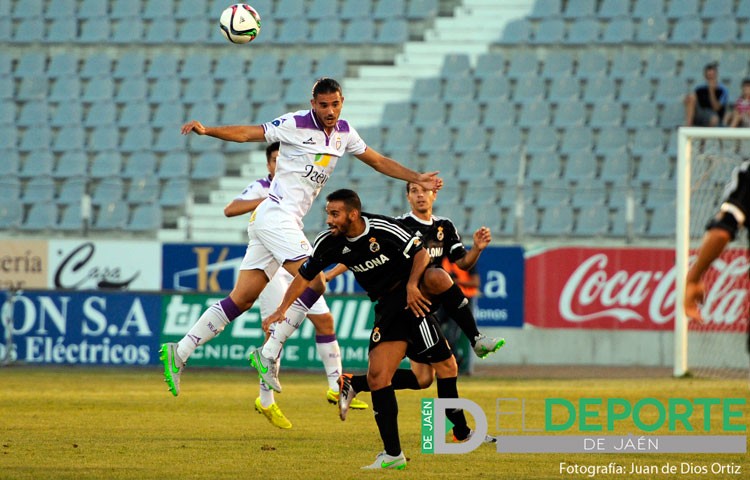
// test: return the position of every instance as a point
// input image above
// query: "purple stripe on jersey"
(265, 182)
(325, 338)
(231, 310)
(306, 121)
(273, 198)
(342, 126)
(309, 297)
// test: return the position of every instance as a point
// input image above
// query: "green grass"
(76, 423)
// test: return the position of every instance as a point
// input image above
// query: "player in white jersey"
(311, 143)
(319, 314)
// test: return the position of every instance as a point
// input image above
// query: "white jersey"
(307, 157)
(256, 190)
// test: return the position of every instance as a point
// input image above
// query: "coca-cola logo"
(594, 293)
(725, 300)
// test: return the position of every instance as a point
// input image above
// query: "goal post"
(705, 159)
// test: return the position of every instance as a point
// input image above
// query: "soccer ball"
(240, 23)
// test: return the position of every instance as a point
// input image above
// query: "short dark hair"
(711, 66)
(349, 197)
(326, 85)
(746, 81)
(270, 149)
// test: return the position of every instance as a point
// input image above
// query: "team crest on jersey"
(304, 245)
(376, 335)
(374, 245)
(338, 142)
(440, 234)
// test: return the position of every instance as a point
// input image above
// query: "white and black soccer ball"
(240, 23)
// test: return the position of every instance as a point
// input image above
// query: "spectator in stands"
(740, 116)
(706, 105)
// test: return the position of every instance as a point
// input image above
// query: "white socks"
(330, 354)
(210, 324)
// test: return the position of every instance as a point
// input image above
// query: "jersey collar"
(423, 222)
(365, 232)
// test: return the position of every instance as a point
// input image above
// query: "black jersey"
(439, 235)
(735, 207)
(380, 258)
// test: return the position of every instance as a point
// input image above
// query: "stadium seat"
(541, 9)
(592, 221)
(208, 166)
(92, 9)
(166, 89)
(72, 190)
(131, 64)
(355, 9)
(58, 9)
(95, 66)
(653, 169)
(687, 31)
(69, 138)
(174, 193)
(743, 10)
(463, 113)
(293, 31)
(570, 113)
(550, 31)
(591, 63)
(516, 32)
(331, 65)
(10, 164)
(27, 31)
(670, 90)
(146, 218)
(161, 32)
(575, 9)
(230, 67)
(647, 141)
(641, 114)
(62, 30)
(498, 114)
(672, 115)
(645, 9)
(174, 165)
(140, 163)
(94, 30)
(530, 90)
(493, 89)
(41, 216)
(111, 216)
(436, 139)
(62, 65)
(124, 9)
(326, 31)
(612, 141)
(65, 89)
(102, 138)
(606, 115)
(170, 140)
(36, 140)
(32, 88)
(625, 64)
(206, 111)
(394, 31)
(618, 31)
(584, 31)
(39, 189)
(162, 65)
(491, 64)
(168, 115)
(560, 64)
(297, 65)
(455, 64)
(507, 169)
(717, 8)
(577, 140)
(359, 31)
(389, 9)
(127, 30)
(534, 114)
(100, 113)
(564, 88)
(599, 89)
(428, 113)
(556, 221)
(482, 194)
(506, 141)
(421, 9)
(99, 89)
(239, 113)
(651, 31)
(143, 189)
(523, 65)
(475, 165)
(581, 167)
(32, 64)
(635, 89)
(134, 114)
(613, 8)
(427, 88)
(136, 138)
(7, 114)
(721, 31)
(106, 164)
(660, 65)
(662, 222)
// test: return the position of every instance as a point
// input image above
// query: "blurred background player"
(721, 230)
(390, 264)
(319, 314)
(311, 142)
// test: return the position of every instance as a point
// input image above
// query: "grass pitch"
(82, 423)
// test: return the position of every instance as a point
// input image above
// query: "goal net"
(719, 346)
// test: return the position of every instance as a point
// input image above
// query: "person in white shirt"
(325, 335)
(311, 142)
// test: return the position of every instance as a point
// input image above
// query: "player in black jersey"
(389, 263)
(441, 240)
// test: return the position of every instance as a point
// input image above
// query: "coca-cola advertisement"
(626, 288)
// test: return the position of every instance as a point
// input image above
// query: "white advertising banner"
(104, 265)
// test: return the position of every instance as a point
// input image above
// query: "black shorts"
(394, 322)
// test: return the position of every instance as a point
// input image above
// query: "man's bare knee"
(435, 281)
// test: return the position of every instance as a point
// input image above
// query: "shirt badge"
(374, 246)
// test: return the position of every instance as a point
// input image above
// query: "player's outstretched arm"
(239, 206)
(714, 242)
(229, 133)
(390, 167)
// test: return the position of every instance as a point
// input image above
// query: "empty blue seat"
(584, 31)
(560, 64)
(545, 8)
(230, 67)
(523, 65)
(421, 9)
(591, 63)
(542, 140)
(125, 9)
(131, 64)
(626, 63)
(606, 115)
(581, 167)
(493, 88)
(72, 190)
(570, 113)
(599, 89)
(106, 164)
(162, 32)
(592, 221)
(397, 113)
(459, 89)
(491, 64)
(355, 9)
(296, 66)
(612, 140)
(32, 88)
(174, 165)
(111, 216)
(28, 31)
(99, 89)
(71, 219)
(62, 30)
(104, 137)
(645, 9)
(463, 113)
(162, 65)
(140, 163)
(326, 31)
(62, 65)
(100, 113)
(641, 114)
(37, 140)
(618, 31)
(670, 90)
(174, 193)
(428, 113)
(722, 31)
(72, 164)
(331, 65)
(208, 166)
(556, 221)
(579, 8)
(476, 168)
(613, 8)
(297, 93)
(65, 89)
(647, 141)
(69, 138)
(41, 216)
(717, 8)
(143, 189)
(534, 114)
(137, 138)
(635, 89)
(39, 189)
(127, 30)
(435, 139)
(166, 89)
(108, 190)
(146, 218)
(134, 114)
(550, 31)
(553, 191)
(389, 9)
(158, 9)
(56, 9)
(576, 140)
(359, 31)
(97, 65)
(687, 31)
(516, 32)
(660, 65)
(455, 64)
(7, 114)
(531, 90)
(133, 89)
(394, 31)
(168, 115)
(94, 30)
(197, 30)
(505, 141)
(293, 31)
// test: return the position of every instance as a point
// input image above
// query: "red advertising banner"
(627, 288)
